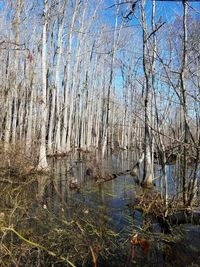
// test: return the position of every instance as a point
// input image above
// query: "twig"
(37, 245)
(153, 32)
(94, 258)
(119, 4)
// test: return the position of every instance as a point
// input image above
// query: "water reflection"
(110, 200)
(114, 194)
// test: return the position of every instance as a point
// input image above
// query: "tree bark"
(42, 156)
(148, 162)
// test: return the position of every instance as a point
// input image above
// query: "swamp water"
(93, 223)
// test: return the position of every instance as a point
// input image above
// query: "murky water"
(111, 199)
(71, 220)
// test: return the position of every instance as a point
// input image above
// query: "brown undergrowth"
(32, 233)
(37, 233)
(152, 203)
(15, 161)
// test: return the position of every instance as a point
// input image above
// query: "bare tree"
(148, 160)
(43, 122)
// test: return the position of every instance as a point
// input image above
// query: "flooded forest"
(99, 133)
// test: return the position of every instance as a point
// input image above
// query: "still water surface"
(112, 199)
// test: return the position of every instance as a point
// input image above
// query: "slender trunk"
(59, 53)
(148, 162)
(106, 126)
(75, 95)
(184, 101)
(29, 134)
(68, 77)
(42, 156)
(16, 62)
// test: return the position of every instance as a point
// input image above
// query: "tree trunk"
(184, 101)
(148, 161)
(65, 127)
(42, 156)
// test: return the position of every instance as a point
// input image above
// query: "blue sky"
(167, 9)
(1, 4)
